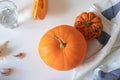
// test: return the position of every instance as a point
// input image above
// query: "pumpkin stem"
(88, 23)
(62, 44)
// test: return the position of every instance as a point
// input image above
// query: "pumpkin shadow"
(57, 7)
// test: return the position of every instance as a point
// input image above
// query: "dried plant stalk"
(20, 55)
(3, 48)
(6, 71)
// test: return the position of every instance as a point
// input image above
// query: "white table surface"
(26, 37)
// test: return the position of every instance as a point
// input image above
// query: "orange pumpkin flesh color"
(40, 9)
(89, 24)
(63, 47)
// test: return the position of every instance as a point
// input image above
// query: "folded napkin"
(105, 49)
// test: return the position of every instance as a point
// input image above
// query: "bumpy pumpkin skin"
(89, 24)
(68, 56)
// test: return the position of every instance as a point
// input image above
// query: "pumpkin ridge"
(91, 15)
(53, 62)
(64, 59)
(67, 61)
(82, 19)
(87, 23)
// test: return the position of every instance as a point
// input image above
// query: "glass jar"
(8, 14)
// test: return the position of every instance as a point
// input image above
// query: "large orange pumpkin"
(89, 24)
(63, 47)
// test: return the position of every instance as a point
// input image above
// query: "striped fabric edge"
(109, 13)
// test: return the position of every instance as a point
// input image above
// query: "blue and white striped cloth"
(101, 74)
(105, 50)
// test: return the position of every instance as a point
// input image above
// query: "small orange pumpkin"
(89, 24)
(63, 47)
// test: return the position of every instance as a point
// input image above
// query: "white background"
(26, 37)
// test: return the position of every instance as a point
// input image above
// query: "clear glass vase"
(8, 14)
